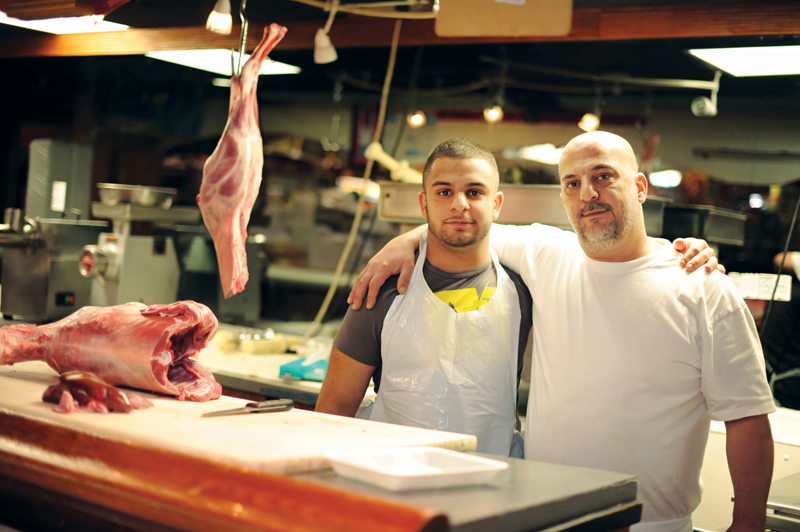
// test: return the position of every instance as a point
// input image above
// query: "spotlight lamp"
(589, 122)
(702, 106)
(219, 21)
(324, 52)
(493, 115)
(417, 120)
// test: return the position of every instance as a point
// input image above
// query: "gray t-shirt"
(360, 334)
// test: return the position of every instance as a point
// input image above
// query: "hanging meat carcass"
(232, 174)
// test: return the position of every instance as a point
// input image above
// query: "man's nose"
(588, 192)
(460, 202)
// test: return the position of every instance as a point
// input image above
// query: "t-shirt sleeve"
(734, 381)
(359, 336)
(511, 241)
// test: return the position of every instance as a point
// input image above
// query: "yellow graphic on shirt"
(466, 299)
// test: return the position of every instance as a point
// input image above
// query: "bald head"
(613, 145)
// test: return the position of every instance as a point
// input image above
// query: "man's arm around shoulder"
(344, 386)
(750, 459)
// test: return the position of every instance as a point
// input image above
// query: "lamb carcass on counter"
(152, 348)
(232, 174)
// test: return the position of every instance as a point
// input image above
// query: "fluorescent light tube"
(218, 61)
(665, 178)
(541, 153)
(756, 61)
(61, 26)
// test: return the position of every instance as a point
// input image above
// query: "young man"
(448, 354)
(631, 355)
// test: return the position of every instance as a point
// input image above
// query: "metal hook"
(243, 40)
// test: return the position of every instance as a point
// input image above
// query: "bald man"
(632, 355)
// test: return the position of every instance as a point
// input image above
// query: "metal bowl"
(114, 194)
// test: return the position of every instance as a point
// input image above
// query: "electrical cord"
(361, 200)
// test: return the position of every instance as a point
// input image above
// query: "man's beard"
(596, 234)
(604, 238)
(458, 239)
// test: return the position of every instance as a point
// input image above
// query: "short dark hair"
(459, 148)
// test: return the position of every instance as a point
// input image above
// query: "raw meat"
(92, 394)
(153, 348)
(232, 174)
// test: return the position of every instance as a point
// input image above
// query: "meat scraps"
(232, 174)
(152, 348)
(81, 391)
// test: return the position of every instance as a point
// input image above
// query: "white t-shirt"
(630, 360)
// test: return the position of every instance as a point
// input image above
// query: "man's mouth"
(459, 222)
(593, 210)
(594, 213)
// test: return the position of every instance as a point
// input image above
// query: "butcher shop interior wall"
(154, 123)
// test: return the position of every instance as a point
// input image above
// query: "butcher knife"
(277, 405)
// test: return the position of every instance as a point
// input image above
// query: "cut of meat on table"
(152, 348)
(81, 391)
(232, 174)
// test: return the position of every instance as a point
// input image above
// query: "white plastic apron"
(451, 371)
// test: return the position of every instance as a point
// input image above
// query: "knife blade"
(276, 405)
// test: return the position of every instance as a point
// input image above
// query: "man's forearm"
(345, 383)
(750, 452)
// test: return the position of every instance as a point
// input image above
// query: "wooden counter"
(165, 468)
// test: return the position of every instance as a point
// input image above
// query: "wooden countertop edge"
(182, 491)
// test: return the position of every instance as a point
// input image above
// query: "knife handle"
(270, 406)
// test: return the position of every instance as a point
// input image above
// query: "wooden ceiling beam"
(630, 23)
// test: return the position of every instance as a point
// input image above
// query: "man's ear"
(423, 204)
(641, 187)
(498, 204)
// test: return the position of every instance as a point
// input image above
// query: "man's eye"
(475, 193)
(571, 184)
(443, 193)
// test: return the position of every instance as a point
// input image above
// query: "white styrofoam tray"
(414, 468)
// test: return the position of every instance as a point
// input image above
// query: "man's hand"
(696, 252)
(396, 257)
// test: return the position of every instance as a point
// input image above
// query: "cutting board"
(278, 442)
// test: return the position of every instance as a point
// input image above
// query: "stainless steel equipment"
(717, 226)
(783, 505)
(40, 279)
(42, 244)
(124, 267)
(522, 205)
(114, 194)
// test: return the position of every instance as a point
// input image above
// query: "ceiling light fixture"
(591, 121)
(753, 61)
(65, 25)
(702, 106)
(417, 120)
(665, 178)
(220, 21)
(218, 61)
(493, 115)
(324, 52)
(542, 153)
